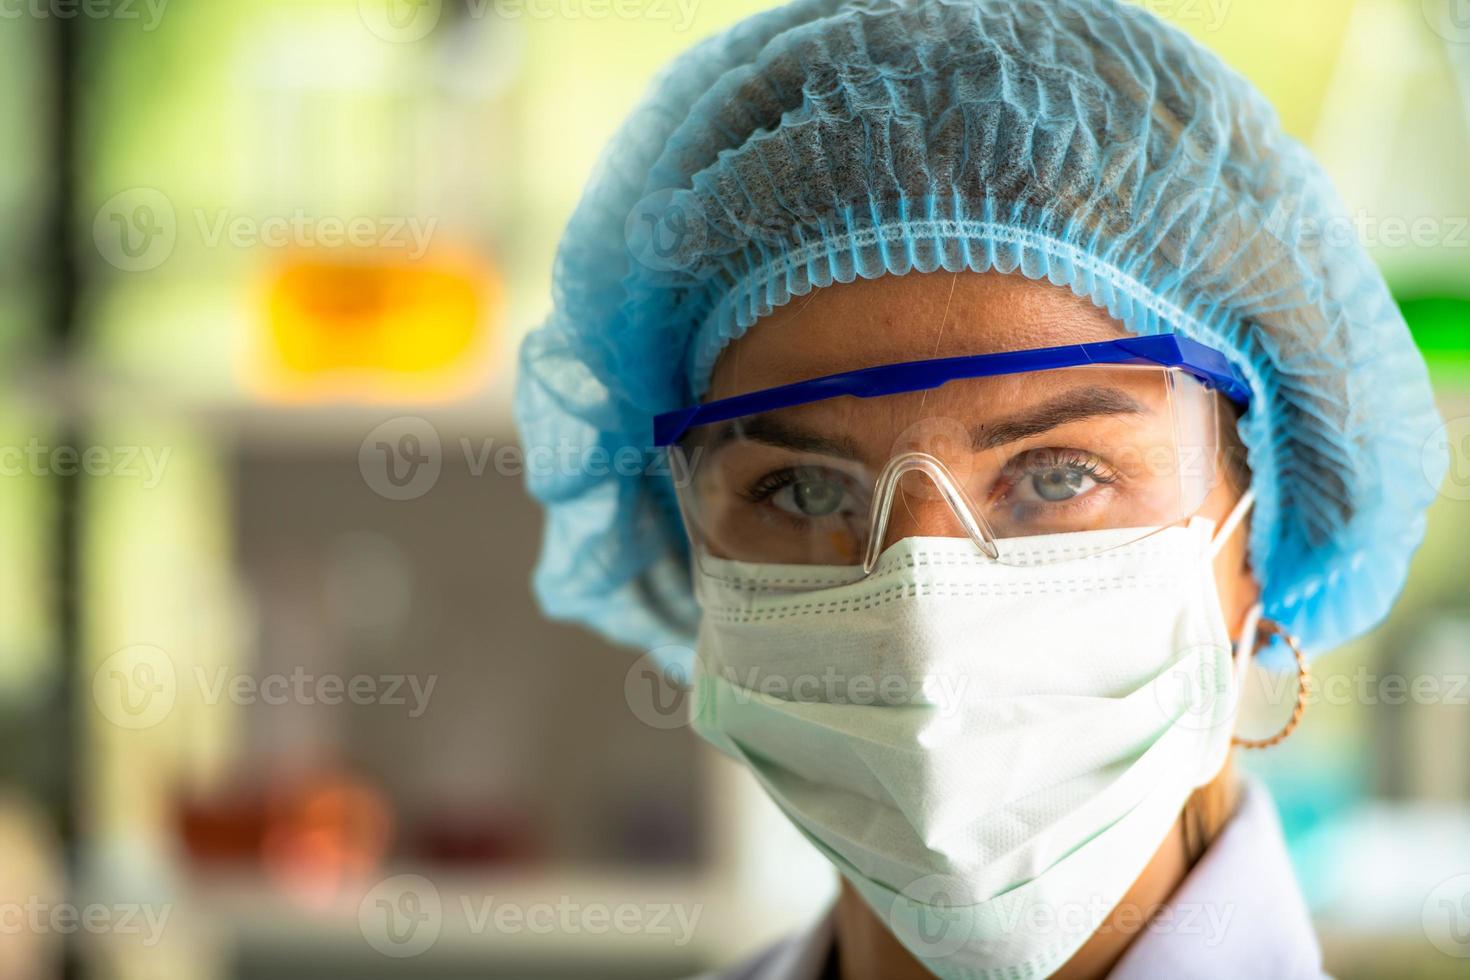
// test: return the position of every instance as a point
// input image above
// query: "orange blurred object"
(377, 325)
(325, 836)
(316, 834)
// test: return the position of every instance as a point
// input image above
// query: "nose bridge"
(920, 511)
(889, 526)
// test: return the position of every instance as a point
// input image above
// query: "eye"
(805, 492)
(1060, 483)
(810, 496)
(1052, 476)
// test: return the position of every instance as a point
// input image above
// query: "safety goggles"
(1004, 448)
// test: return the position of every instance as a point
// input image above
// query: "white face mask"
(989, 753)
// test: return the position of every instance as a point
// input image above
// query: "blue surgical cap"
(1081, 142)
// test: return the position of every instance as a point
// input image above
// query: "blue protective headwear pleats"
(1082, 142)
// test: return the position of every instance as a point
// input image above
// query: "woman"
(1011, 399)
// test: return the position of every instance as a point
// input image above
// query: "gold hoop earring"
(1266, 629)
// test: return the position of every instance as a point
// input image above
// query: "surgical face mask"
(990, 752)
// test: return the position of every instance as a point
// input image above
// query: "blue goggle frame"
(1168, 350)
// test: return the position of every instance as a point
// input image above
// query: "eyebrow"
(771, 432)
(1072, 406)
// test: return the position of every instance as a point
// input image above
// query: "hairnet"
(1083, 142)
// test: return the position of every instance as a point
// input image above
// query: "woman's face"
(905, 318)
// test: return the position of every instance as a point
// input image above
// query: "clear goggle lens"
(998, 459)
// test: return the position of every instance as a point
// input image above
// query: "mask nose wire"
(970, 518)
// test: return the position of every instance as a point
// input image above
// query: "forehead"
(868, 322)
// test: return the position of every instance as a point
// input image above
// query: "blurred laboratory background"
(275, 698)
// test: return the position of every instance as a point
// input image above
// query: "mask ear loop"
(1232, 521)
(1246, 643)
(1257, 633)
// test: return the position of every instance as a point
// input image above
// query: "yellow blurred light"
(377, 326)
